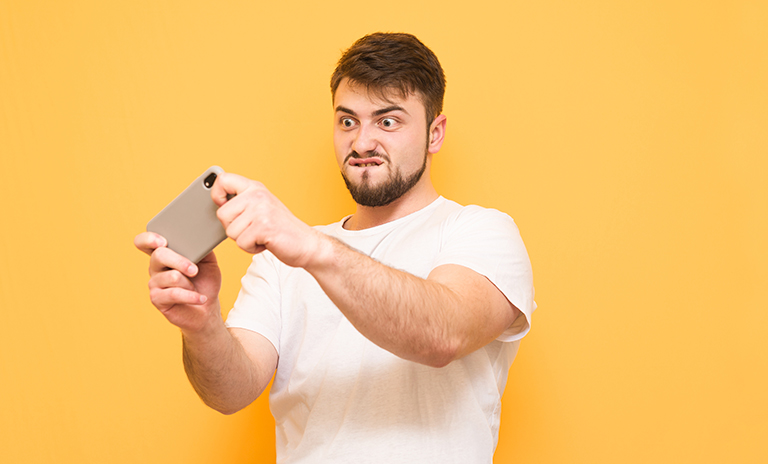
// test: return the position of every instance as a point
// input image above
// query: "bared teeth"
(365, 165)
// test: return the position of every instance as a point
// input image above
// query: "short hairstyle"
(394, 62)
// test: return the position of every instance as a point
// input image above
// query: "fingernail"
(203, 298)
(192, 269)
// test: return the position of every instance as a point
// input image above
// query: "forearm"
(421, 320)
(219, 369)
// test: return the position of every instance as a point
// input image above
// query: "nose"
(365, 140)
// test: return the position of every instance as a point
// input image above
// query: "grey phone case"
(189, 222)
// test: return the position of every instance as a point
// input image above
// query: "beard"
(390, 190)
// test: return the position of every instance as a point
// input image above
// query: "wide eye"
(347, 122)
(388, 123)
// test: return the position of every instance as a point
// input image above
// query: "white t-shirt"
(338, 398)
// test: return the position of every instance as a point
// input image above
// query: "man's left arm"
(433, 321)
(451, 313)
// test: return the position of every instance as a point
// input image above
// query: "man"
(390, 333)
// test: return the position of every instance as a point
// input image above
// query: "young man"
(390, 333)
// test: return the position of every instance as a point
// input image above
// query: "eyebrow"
(379, 112)
(389, 109)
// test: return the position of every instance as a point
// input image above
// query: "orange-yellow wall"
(628, 139)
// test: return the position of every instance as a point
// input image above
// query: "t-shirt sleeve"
(488, 242)
(257, 307)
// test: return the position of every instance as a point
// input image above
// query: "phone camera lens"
(208, 182)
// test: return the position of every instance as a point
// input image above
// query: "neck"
(371, 216)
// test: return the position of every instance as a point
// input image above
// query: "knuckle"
(155, 296)
(174, 294)
(243, 243)
(257, 191)
(175, 277)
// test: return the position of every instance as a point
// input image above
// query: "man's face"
(381, 145)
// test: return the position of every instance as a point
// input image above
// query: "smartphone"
(189, 222)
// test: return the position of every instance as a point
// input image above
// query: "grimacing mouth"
(355, 159)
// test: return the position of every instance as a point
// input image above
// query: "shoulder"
(474, 217)
(465, 211)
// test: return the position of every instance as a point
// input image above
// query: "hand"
(256, 220)
(186, 294)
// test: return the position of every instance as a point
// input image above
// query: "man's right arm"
(228, 368)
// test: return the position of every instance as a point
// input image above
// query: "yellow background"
(629, 140)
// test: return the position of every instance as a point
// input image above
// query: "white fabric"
(338, 398)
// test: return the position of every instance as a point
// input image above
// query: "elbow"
(227, 410)
(442, 354)
(228, 404)
(221, 405)
(438, 362)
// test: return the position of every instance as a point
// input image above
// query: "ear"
(436, 134)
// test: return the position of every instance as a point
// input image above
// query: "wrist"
(325, 255)
(208, 325)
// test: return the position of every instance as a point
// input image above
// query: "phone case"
(189, 222)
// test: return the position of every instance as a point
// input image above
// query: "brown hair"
(394, 62)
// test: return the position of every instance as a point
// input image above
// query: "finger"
(238, 224)
(164, 258)
(251, 207)
(148, 242)
(231, 210)
(170, 279)
(163, 298)
(250, 240)
(228, 184)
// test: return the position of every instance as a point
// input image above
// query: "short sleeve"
(258, 306)
(488, 242)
